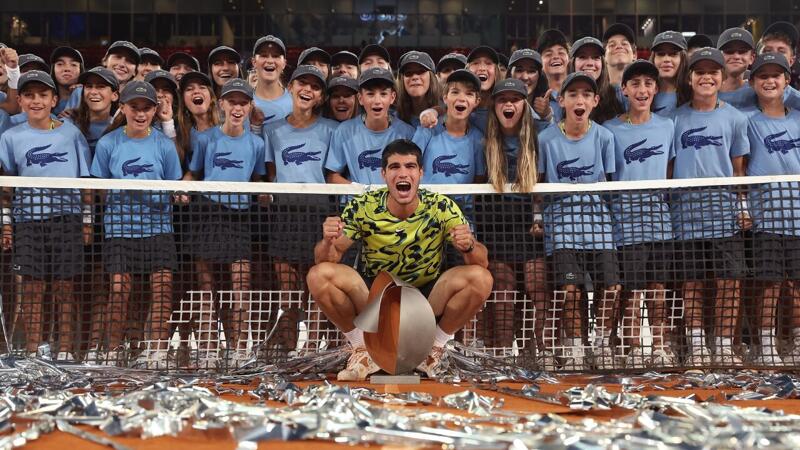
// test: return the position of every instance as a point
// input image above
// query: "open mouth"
(342, 108)
(305, 97)
(197, 100)
(461, 108)
(643, 99)
(403, 186)
(237, 115)
(377, 109)
(483, 77)
(94, 99)
(580, 112)
(556, 63)
(508, 114)
(141, 122)
(269, 69)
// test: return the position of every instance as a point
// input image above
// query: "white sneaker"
(64, 356)
(726, 357)
(604, 358)
(152, 359)
(767, 360)
(573, 358)
(635, 359)
(546, 361)
(432, 363)
(239, 358)
(662, 357)
(92, 356)
(359, 366)
(698, 359)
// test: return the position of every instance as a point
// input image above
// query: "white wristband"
(255, 129)
(168, 127)
(537, 218)
(88, 217)
(7, 218)
(743, 206)
(13, 76)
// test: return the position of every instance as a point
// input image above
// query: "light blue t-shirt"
(664, 103)
(95, 131)
(774, 150)
(742, 98)
(705, 143)
(137, 214)
(275, 109)
(30, 152)
(447, 159)
(479, 119)
(299, 153)
(357, 149)
(642, 152)
(558, 113)
(576, 221)
(5, 121)
(220, 157)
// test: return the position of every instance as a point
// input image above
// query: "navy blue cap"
(640, 67)
(735, 34)
(313, 51)
(510, 85)
(222, 50)
(620, 28)
(161, 75)
(374, 49)
(269, 39)
(138, 89)
(347, 82)
(465, 75)
(699, 41)
(308, 69)
(578, 76)
(483, 49)
(549, 38)
(104, 74)
(236, 85)
(421, 58)
(66, 51)
(457, 59)
(525, 54)
(149, 53)
(344, 57)
(374, 74)
(586, 42)
(35, 76)
(127, 47)
(707, 54)
(30, 58)
(670, 37)
(785, 28)
(770, 58)
(177, 56)
(194, 76)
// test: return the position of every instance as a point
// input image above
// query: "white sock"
(697, 338)
(601, 338)
(796, 333)
(574, 342)
(355, 337)
(441, 338)
(768, 342)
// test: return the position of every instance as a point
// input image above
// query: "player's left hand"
(88, 233)
(462, 237)
(9, 57)
(165, 109)
(256, 116)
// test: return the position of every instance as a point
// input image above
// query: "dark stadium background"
(435, 26)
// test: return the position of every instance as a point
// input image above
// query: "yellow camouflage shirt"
(413, 248)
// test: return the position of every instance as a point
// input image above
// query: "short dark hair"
(400, 147)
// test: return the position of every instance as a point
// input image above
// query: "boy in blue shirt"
(578, 234)
(642, 229)
(710, 141)
(48, 227)
(452, 151)
(738, 48)
(357, 143)
(774, 133)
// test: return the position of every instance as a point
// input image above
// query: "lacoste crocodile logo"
(289, 155)
(633, 153)
(33, 156)
(441, 165)
(689, 139)
(366, 160)
(129, 168)
(223, 163)
(783, 145)
(573, 173)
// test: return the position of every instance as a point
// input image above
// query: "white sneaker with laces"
(64, 356)
(726, 357)
(698, 359)
(662, 357)
(359, 366)
(546, 361)
(604, 358)
(635, 359)
(152, 359)
(573, 358)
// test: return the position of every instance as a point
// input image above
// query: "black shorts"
(720, 258)
(295, 225)
(649, 262)
(503, 223)
(140, 255)
(51, 248)
(571, 266)
(424, 289)
(219, 234)
(776, 257)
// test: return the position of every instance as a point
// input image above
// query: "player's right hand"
(9, 57)
(428, 118)
(8, 237)
(542, 105)
(332, 228)
(256, 116)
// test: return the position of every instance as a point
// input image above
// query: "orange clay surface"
(201, 440)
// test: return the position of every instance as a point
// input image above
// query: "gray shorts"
(645, 263)
(140, 255)
(51, 248)
(219, 234)
(719, 258)
(776, 256)
(571, 266)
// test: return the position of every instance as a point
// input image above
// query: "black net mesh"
(664, 278)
